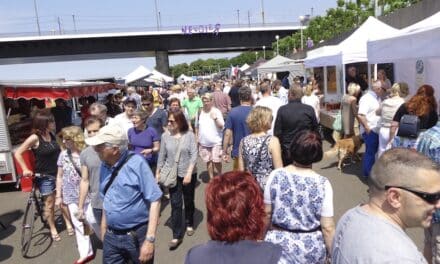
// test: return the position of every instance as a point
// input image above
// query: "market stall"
(333, 58)
(282, 64)
(15, 128)
(413, 50)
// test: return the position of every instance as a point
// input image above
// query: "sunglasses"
(431, 198)
(148, 104)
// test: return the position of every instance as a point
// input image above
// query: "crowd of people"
(273, 207)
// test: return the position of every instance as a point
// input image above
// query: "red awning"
(54, 90)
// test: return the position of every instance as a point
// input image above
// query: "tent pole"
(325, 81)
(369, 74)
(344, 84)
(375, 72)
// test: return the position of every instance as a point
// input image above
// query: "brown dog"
(345, 148)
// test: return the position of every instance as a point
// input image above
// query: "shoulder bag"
(337, 123)
(409, 126)
(167, 174)
(69, 155)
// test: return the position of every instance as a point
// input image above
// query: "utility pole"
(36, 16)
(160, 20)
(157, 17)
(238, 17)
(311, 13)
(249, 18)
(262, 11)
(59, 25)
(74, 23)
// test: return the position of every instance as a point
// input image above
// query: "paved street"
(348, 192)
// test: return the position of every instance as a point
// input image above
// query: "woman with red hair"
(236, 223)
(424, 105)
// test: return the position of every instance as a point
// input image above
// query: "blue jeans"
(371, 146)
(118, 249)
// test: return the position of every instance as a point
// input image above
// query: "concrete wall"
(407, 16)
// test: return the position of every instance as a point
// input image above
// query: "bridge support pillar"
(162, 62)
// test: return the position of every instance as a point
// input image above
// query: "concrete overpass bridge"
(127, 44)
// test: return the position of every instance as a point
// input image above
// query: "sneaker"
(190, 231)
(174, 243)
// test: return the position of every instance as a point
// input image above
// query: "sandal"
(56, 237)
(70, 231)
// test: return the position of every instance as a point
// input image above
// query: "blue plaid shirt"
(429, 144)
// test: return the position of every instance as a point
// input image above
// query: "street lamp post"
(277, 37)
(301, 19)
(256, 55)
(264, 52)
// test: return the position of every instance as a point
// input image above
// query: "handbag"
(337, 123)
(168, 174)
(409, 126)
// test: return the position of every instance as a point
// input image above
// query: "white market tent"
(183, 78)
(353, 49)
(414, 51)
(139, 73)
(244, 67)
(158, 77)
(282, 64)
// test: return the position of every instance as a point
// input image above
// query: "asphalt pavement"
(348, 190)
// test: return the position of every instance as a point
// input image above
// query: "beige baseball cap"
(112, 134)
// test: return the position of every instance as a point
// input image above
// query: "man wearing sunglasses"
(404, 192)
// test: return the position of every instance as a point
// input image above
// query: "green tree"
(344, 17)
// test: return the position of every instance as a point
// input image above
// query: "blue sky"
(18, 17)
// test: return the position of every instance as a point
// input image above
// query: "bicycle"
(34, 209)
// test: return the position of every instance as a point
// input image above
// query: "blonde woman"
(67, 186)
(387, 111)
(311, 99)
(349, 109)
(259, 152)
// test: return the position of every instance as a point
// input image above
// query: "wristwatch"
(150, 239)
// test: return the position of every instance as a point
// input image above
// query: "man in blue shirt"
(131, 202)
(236, 127)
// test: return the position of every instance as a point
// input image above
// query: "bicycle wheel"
(27, 227)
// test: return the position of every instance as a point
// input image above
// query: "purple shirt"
(143, 139)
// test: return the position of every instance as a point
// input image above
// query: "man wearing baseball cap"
(131, 199)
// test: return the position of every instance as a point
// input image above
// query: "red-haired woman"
(299, 203)
(236, 223)
(424, 105)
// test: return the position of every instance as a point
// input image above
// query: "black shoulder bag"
(116, 171)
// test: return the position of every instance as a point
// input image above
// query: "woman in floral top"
(67, 190)
(299, 203)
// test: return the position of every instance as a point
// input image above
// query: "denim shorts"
(46, 185)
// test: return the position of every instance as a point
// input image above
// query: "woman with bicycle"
(67, 186)
(46, 150)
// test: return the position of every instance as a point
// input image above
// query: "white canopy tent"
(282, 64)
(158, 78)
(139, 73)
(183, 78)
(353, 49)
(244, 67)
(414, 51)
